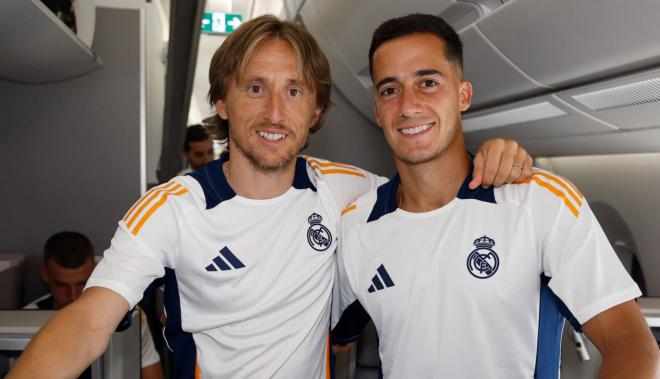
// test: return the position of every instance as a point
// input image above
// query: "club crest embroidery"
(318, 235)
(483, 262)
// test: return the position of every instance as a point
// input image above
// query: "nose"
(409, 105)
(274, 109)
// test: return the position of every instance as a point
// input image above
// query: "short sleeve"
(145, 242)
(585, 272)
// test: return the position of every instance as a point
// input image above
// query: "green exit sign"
(220, 23)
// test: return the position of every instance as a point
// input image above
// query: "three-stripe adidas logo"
(230, 262)
(377, 284)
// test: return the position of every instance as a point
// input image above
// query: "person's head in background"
(198, 147)
(68, 263)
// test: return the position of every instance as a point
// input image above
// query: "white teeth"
(272, 136)
(416, 129)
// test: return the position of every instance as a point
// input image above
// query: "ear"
(465, 95)
(43, 271)
(221, 108)
(376, 114)
(317, 116)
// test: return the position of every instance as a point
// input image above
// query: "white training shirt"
(476, 288)
(248, 283)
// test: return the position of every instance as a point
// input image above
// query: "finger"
(491, 163)
(478, 172)
(506, 163)
(516, 171)
(527, 169)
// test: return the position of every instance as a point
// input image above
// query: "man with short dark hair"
(245, 244)
(465, 282)
(68, 264)
(197, 148)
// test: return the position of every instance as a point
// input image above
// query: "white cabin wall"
(628, 183)
(71, 150)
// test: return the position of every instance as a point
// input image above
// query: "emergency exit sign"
(220, 23)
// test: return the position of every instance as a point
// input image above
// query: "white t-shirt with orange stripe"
(248, 282)
(478, 288)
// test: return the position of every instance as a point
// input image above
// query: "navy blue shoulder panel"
(479, 193)
(385, 199)
(301, 178)
(213, 182)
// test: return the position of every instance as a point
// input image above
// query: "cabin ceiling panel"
(493, 77)
(563, 42)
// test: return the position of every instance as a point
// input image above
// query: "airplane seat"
(11, 273)
(32, 284)
(621, 239)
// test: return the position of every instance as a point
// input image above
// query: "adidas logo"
(230, 262)
(377, 284)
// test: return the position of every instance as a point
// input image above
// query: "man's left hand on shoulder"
(500, 161)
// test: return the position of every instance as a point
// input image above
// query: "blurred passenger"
(197, 149)
(68, 263)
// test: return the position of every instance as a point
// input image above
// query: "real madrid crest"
(318, 235)
(483, 262)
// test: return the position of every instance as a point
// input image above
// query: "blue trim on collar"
(213, 182)
(216, 188)
(479, 193)
(301, 177)
(386, 199)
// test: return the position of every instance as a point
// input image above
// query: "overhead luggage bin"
(36, 47)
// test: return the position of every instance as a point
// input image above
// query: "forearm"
(69, 342)
(631, 361)
(625, 342)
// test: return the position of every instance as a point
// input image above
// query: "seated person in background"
(197, 149)
(68, 263)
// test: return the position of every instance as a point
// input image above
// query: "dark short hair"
(68, 249)
(231, 59)
(195, 133)
(418, 23)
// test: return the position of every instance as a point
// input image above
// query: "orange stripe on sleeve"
(345, 172)
(558, 193)
(154, 208)
(313, 162)
(148, 201)
(574, 187)
(144, 197)
(198, 372)
(327, 357)
(351, 207)
(562, 184)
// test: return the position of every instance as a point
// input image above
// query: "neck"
(431, 185)
(252, 183)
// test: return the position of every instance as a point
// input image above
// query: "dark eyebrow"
(425, 72)
(389, 79)
(428, 72)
